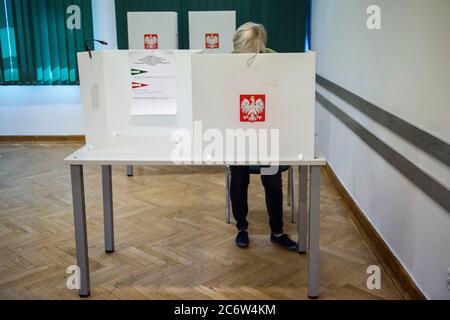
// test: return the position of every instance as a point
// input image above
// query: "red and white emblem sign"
(252, 107)
(212, 40)
(151, 41)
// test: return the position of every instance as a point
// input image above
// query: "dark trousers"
(240, 179)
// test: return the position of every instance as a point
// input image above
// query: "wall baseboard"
(79, 138)
(387, 259)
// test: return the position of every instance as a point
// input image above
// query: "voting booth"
(152, 30)
(207, 88)
(134, 101)
(212, 31)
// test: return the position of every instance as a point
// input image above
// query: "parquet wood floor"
(171, 238)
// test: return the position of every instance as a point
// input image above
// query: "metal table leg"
(130, 170)
(227, 196)
(108, 219)
(79, 214)
(291, 192)
(314, 218)
(302, 208)
(288, 198)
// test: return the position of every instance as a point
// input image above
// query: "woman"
(252, 38)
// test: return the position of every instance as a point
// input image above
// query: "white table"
(125, 154)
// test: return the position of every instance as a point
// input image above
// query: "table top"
(158, 153)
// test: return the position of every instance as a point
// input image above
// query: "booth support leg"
(291, 184)
(130, 170)
(79, 214)
(302, 212)
(227, 195)
(108, 218)
(288, 198)
(314, 218)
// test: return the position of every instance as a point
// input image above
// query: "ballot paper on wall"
(153, 82)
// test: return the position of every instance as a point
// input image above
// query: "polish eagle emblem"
(151, 41)
(211, 40)
(253, 108)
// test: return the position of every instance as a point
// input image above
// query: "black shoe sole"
(287, 248)
(242, 245)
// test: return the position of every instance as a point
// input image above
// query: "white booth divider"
(152, 30)
(283, 83)
(212, 31)
(106, 97)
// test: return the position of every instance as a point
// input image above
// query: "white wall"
(53, 110)
(403, 68)
(43, 110)
(104, 19)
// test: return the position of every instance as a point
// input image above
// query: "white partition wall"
(284, 85)
(212, 31)
(152, 30)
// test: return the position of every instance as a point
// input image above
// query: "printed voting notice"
(153, 82)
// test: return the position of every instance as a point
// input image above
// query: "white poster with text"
(153, 82)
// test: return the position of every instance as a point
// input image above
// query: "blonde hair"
(250, 38)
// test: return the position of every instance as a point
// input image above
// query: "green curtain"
(36, 46)
(285, 20)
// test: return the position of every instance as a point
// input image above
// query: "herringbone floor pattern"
(171, 238)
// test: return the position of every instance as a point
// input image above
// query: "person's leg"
(240, 179)
(274, 201)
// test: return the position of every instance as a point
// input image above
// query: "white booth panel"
(212, 31)
(285, 81)
(152, 30)
(105, 91)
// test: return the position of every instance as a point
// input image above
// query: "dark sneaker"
(242, 239)
(284, 241)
